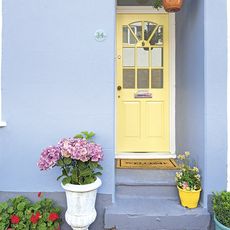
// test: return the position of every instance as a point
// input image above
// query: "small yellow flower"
(187, 154)
(195, 169)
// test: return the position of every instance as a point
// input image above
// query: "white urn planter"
(81, 204)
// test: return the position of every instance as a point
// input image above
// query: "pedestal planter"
(81, 204)
(189, 199)
(172, 5)
(219, 226)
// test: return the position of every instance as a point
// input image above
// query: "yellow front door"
(142, 83)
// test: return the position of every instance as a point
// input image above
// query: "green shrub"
(221, 207)
(19, 214)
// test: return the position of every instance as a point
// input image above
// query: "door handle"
(119, 88)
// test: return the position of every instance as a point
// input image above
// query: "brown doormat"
(146, 164)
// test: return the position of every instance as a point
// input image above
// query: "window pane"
(128, 37)
(128, 78)
(142, 57)
(157, 57)
(157, 38)
(142, 78)
(136, 27)
(148, 29)
(157, 78)
(128, 56)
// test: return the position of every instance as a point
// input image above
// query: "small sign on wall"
(100, 35)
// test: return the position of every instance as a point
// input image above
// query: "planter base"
(81, 204)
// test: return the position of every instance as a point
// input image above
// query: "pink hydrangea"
(49, 157)
(74, 148)
(95, 152)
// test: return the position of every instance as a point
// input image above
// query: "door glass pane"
(157, 78)
(128, 37)
(157, 38)
(136, 27)
(128, 78)
(128, 56)
(157, 57)
(142, 78)
(148, 29)
(143, 57)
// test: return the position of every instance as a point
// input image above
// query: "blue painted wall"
(215, 95)
(57, 80)
(201, 82)
(190, 81)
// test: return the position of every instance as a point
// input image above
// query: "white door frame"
(172, 72)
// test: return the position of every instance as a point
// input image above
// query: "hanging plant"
(157, 4)
(169, 5)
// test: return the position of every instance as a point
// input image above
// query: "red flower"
(53, 216)
(40, 194)
(34, 218)
(14, 219)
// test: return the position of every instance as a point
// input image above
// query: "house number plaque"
(100, 35)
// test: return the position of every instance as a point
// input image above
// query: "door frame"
(172, 74)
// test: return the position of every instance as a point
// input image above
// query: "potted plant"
(78, 159)
(221, 208)
(20, 213)
(169, 5)
(188, 181)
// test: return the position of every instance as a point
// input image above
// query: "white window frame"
(2, 123)
(172, 72)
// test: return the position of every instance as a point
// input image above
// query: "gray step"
(145, 177)
(154, 214)
(146, 183)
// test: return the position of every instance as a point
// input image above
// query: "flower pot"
(219, 226)
(189, 199)
(81, 204)
(172, 5)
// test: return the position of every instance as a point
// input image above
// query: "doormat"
(146, 164)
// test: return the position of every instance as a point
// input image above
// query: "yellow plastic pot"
(189, 199)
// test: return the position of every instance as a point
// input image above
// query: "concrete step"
(146, 183)
(154, 214)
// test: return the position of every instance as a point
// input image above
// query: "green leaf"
(79, 136)
(4, 205)
(67, 161)
(10, 210)
(66, 180)
(85, 172)
(97, 174)
(21, 206)
(60, 163)
(60, 177)
(99, 167)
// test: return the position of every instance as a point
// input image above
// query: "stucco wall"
(201, 89)
(215, 95)
(190, 80)
(57, 80)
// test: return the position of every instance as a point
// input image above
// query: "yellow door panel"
(142, 83)
(154, 120)
(131, 119)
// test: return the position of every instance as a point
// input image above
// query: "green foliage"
(86, 135)
(157, 4)
(188, 178)
(24, 209)
(221, 207)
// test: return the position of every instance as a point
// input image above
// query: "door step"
(154, 214)
(146, 183)
(148, 200)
